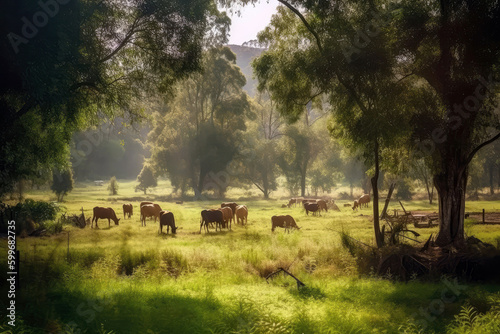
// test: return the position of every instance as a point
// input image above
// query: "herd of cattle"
(222, 217)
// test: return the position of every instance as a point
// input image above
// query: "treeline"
(211, 135)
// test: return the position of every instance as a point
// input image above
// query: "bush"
(62, 183)
(29, 215)
(113, 186)
(344, 196)
(404, 190)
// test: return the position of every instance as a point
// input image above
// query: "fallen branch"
(299, 283)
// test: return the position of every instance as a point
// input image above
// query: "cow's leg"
(109, 223)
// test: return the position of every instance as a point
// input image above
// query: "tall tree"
(364, 96)
(197, 135)
(260, 148)
(62, 183)
(65, 65)
(405, 46)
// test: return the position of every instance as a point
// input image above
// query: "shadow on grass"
(123, 312)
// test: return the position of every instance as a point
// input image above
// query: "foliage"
(113, 186)
(95, 60)
(396, 84)
(197, 135)
(30, 215)
(146, 179)
(62, 183)
(404, 189)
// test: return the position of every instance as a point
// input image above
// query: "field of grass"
(129, 279)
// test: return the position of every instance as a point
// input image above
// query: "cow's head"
(174, 229)
(117, 221)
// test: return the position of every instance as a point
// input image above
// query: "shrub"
(113, 186)
(62, 183)
(146, 179)
(29, 215)
(404, 190)
(344, 196)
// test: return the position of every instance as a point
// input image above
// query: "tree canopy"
(386, 65)
(66, 65)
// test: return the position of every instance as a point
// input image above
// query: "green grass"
(130, 279)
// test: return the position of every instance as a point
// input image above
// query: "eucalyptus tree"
(68, 64)
(363, 94)
(260, 149)
(383, 51)
(198, 133)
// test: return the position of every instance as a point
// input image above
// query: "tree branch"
(306, 24)
(25, 109)
(474, 151)
(124, 42)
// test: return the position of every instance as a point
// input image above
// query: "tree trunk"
(498, 177)
(451, 186)
(351, 186)
(492, 185)
(303, 184)
(145, 189)
(387, 200)
(379, 238)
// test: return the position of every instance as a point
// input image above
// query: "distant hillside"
(244, 56)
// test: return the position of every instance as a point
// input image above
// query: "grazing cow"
(227, 216)
(322, 205)
(365, 199)
(287, 222)
(128, 209)
(211, 216)
(149, 210)
(232, 205)
(167, 219)
(292, 201)
(242, 214)
(104, 213)
(312, 207)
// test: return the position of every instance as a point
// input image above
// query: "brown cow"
(167, 219)
(365, 199)
(149, 210)
(104, 213)
(128, 209)
(287, 222)
(322, 205)
(227, 216)
(211, 216)
(313, 207)
(232, 205)
(242, 214)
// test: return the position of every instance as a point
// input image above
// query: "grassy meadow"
(129, 279)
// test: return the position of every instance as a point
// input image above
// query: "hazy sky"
(252, 20)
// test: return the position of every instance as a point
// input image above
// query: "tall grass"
(130, 279)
